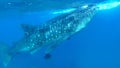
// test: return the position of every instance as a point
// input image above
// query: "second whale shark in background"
(50, 34)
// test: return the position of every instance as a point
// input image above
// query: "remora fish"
(50, 33)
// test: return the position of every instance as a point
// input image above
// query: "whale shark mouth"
(101, 6)
(108, 5)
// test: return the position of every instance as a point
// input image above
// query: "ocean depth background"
(96, 46)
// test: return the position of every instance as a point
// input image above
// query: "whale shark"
(50, 34)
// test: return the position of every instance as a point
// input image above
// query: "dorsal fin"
(28, 29)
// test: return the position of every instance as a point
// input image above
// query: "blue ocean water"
(96, 46)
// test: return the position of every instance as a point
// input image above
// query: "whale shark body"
(50, 34)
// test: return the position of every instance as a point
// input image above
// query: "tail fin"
(4, 55)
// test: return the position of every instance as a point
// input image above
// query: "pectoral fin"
(52, 47)
(33, 51)
(49, 50)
